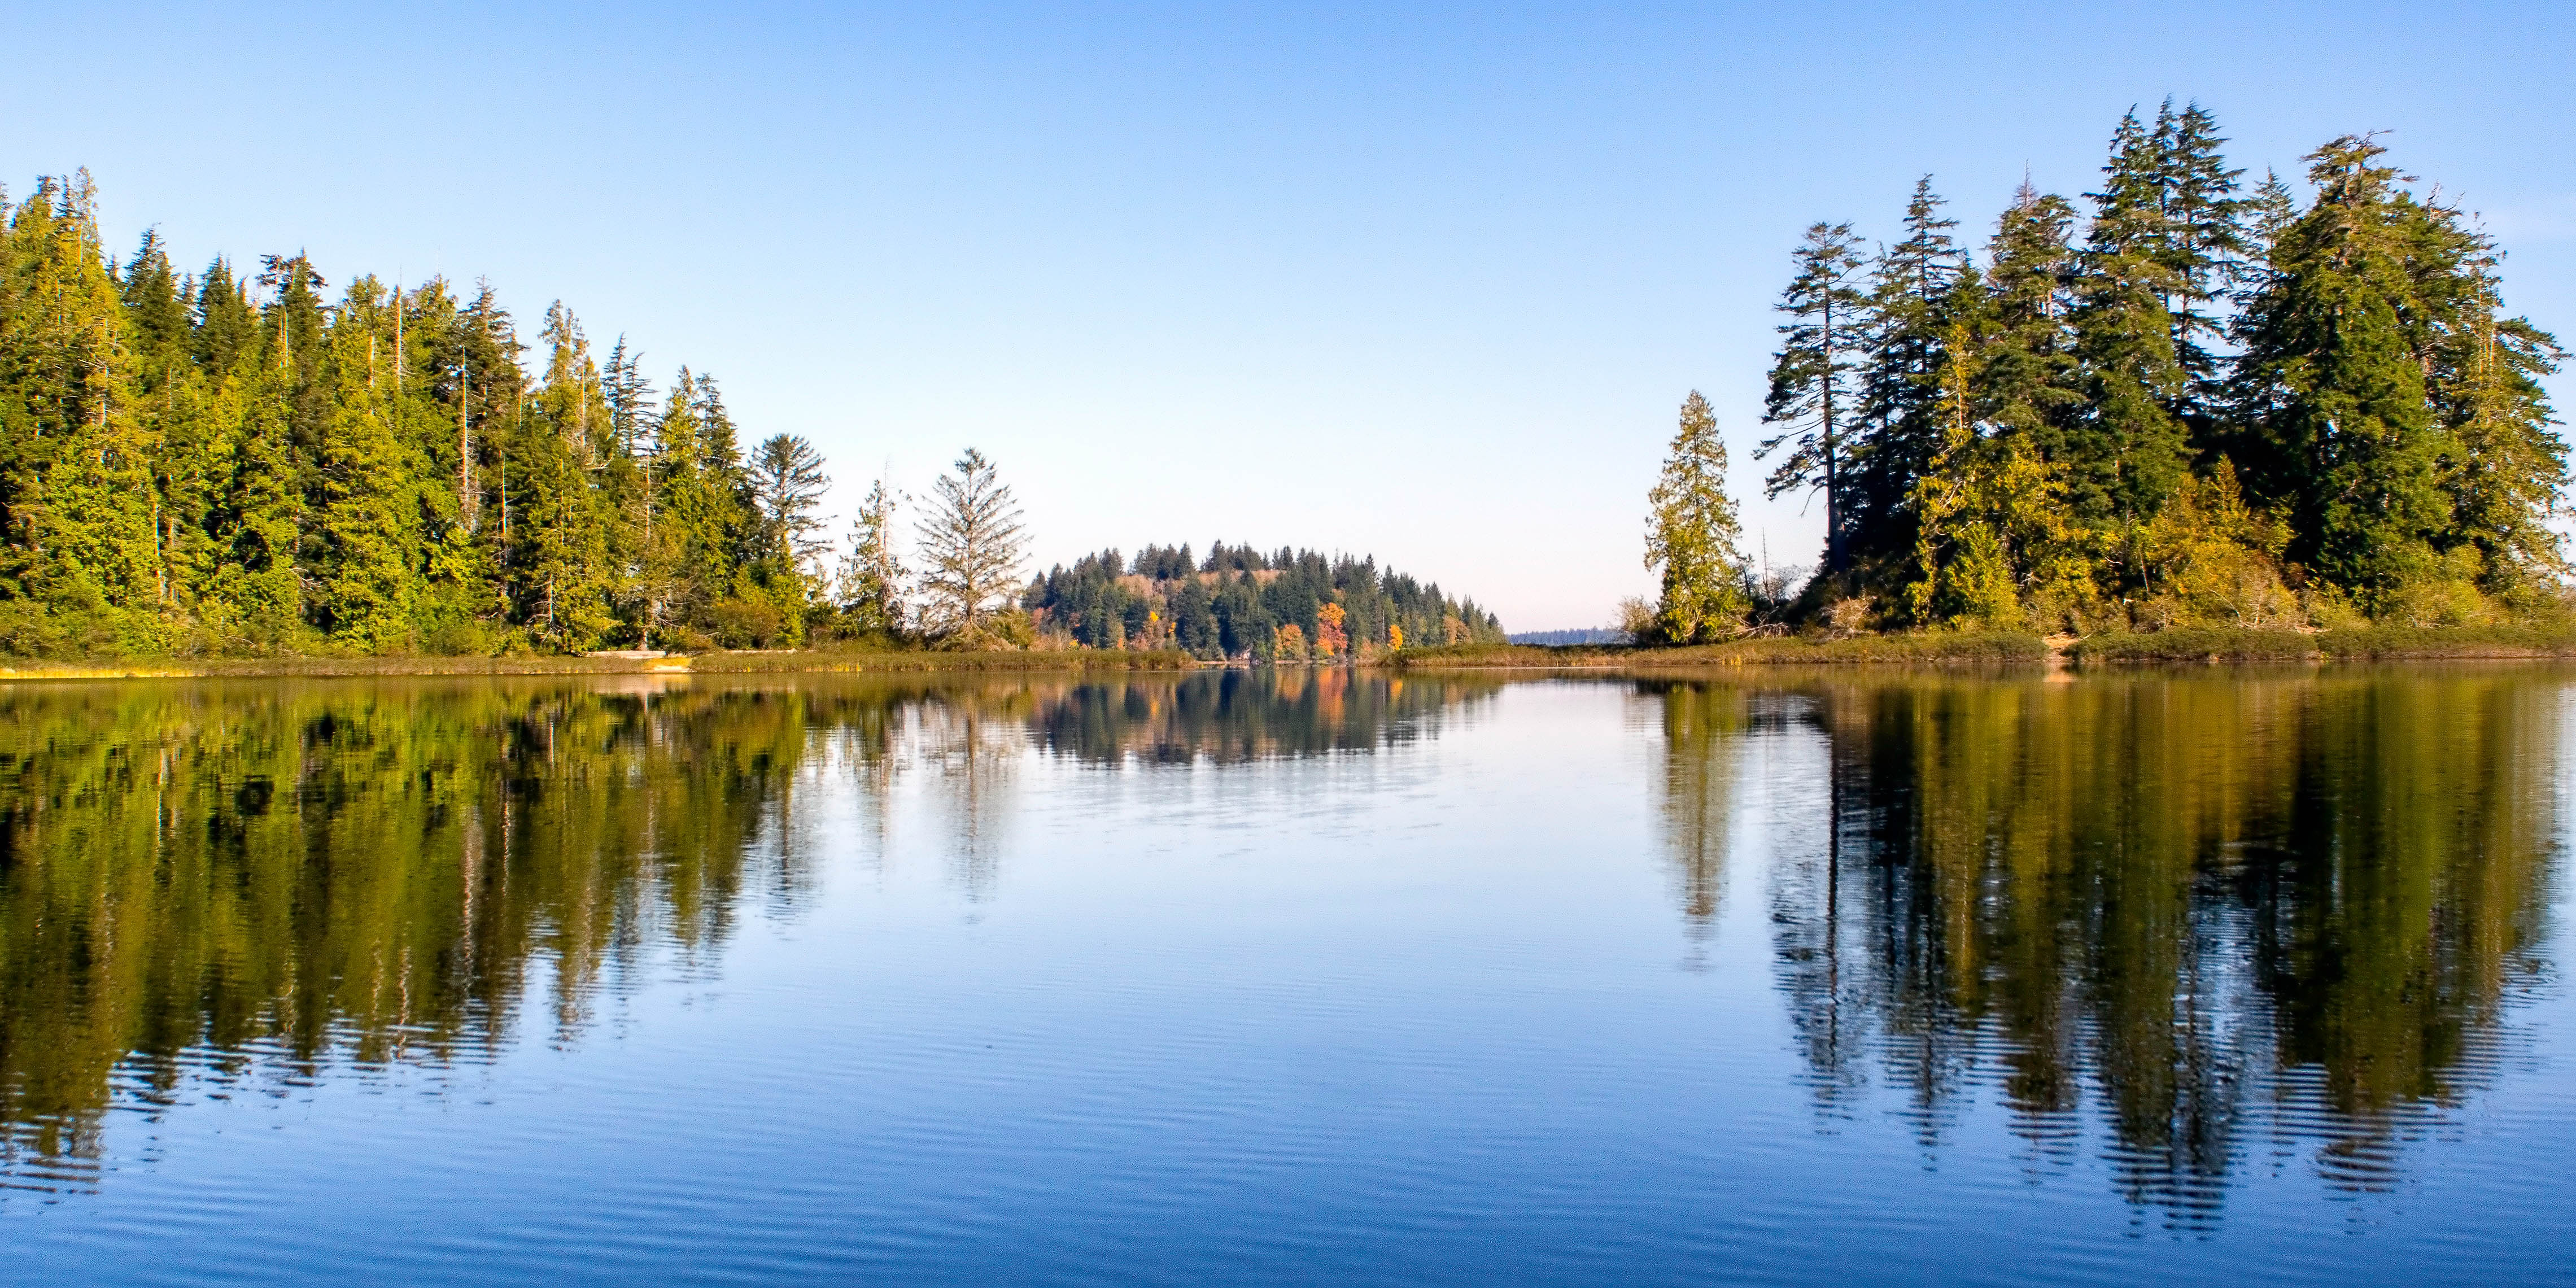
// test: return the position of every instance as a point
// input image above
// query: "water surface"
(1289, 978)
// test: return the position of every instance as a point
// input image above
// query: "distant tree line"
(1240, 602)
(2186, 402)
(1583, 635)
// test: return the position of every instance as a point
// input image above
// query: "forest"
(240, 462)
(1240, 602)
(2187, 400)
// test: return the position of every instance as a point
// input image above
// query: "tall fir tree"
(2335, 377)
(1912, 288)
(368, 555)
(1811, 397)
(2126, 450)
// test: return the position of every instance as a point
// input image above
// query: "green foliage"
(2064, 441)
(1691, 534)
(1810, 397)
(256, 467)
(1238, 602)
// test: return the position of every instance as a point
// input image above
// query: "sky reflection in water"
(1287, 977)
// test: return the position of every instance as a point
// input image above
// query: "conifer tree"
(368, 553)
(971, 544)
(92, 522)
(226, 327)
(2509, 465)
(258, 591)
(1810, 398)
(869, 583)
(1691, 534)
(2203, 246)
(1912, 288)
(2025, 362)
(2335, 377)
(787, 484)
(560, 549)
(156, 314)
(2127, 450)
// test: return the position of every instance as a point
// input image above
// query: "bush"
(748, 622)
(458, 637)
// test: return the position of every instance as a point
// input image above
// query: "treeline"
(238, 461)
(244, 463)
(2187, 401)
(1239, 602)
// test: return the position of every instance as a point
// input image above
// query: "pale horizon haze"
(1427, 283)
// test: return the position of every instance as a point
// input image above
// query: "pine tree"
(368, 552)
(1810, 396)
(2334, 379)
(2509, 465)
(560, 547)
(226, 326)
(1691, 534)
(787, 484)
(258, 591)
(91, 526)
(156, 314)
(2127, 450)
(1911, 289)
(869, 584)
(2025, 362)
(971, 545)
(675, 580)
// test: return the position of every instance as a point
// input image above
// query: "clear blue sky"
(1417, 281)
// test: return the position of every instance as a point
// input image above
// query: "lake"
(1291, 977)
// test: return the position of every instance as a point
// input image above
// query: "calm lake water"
(1294, 978)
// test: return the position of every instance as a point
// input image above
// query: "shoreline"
(2181, 647)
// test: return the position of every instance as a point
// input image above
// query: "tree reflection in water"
(2237, 913)
(2205, 919)
(251, 884)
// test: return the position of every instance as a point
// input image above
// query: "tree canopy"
(2179, 402)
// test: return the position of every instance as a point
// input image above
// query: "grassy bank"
(913, 661)
(2357, 644)
(1915, 649)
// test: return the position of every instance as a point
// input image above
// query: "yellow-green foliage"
(2213, 560)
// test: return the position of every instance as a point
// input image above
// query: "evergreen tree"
(971, 545)
(1810, 398)
(2509, 465)
(1691, 534)
(2025, 361)
(226, 326)
(2335, 374)
(258, 595)
(560, 559)
(156, 313)
(869, 584)
(1912, 288)
(2127, 450)
(787, 484)
(2203, 247)
(369, 550)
